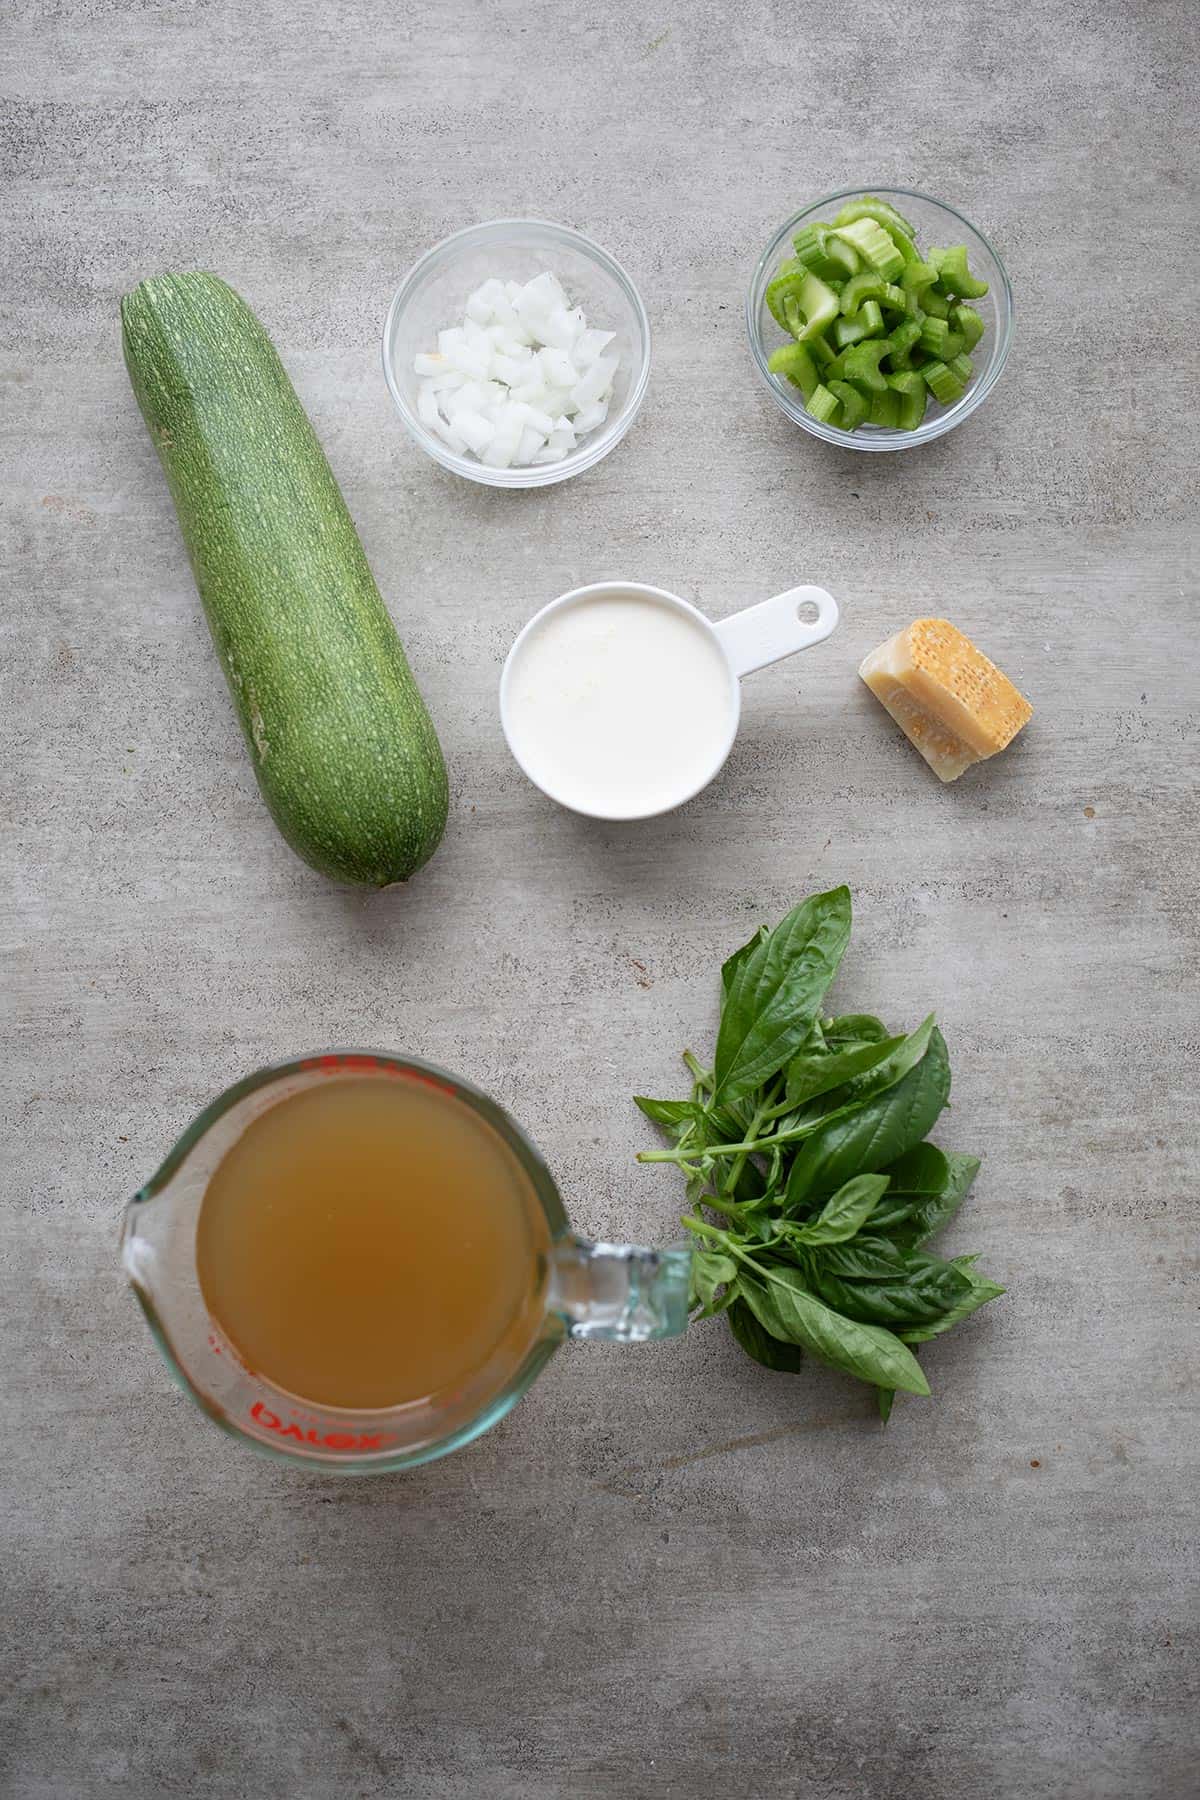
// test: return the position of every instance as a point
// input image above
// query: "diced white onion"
(521, 380)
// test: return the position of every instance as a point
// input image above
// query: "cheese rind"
(951, 702)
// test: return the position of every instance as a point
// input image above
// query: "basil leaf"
(932, 1211)
(865, 1259)
(980, 1293)
(875, 1133)
(788, 1311)
(844, 1214)
(925, 1290)
(809, 1075)
(758, 1342)
(885, 1396)
(732, 964)
(671, 1114)
(854, 1028)
(710, 1270)
(922, 1171)
(776, 992)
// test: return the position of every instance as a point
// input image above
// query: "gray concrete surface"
(668, 1573)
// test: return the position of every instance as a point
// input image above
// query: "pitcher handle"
(762, 634)
(619, 1293)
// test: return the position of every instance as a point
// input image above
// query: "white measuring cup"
(637, 715)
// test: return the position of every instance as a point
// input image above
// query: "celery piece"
(868, 207)
(967, 321)
(849, 331)
(885, 409)
(821, 352)
(795, 362)
(935, 304)
(844, 254)
(942, 382)
(854, 407)
(862, 365)
(817, 249)
(951, 345)
(824, 406)
(869, 287)
(903, 336)
(915, 278)
(933, 335)
(874, 245)
(783, 285)
(817, 303)
(954, 277)
(867, 322)
(961, 366)
(910, 389)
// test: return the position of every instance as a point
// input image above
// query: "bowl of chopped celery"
(879, 319)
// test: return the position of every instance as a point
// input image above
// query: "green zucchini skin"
(343, 748)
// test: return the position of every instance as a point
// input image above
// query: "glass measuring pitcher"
(617, 1292)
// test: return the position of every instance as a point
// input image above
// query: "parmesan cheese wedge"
(945, 695)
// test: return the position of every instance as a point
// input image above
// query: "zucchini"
(343, 748)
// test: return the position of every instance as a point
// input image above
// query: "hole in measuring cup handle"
(789, 622)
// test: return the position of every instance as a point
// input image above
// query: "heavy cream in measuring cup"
(619, 705)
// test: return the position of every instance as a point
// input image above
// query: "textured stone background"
(668, 1573)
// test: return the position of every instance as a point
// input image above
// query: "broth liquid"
(369, 1242)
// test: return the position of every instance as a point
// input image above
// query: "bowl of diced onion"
(930, 222)
(517, 353)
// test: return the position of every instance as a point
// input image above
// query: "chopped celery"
(813, 303)
(854, 407)
(869, 287)
(875, 327)
(849, 331)
(943, 383)
(862, 365)
(954, 277)
(867, 322)
(868, 207)
(968, 322)
(824, 406)
(909, 387)
(785, 283)
(915, 278)
(874, 246)
(826, 255)
(903, 336)
(796, 363)
(933, 335)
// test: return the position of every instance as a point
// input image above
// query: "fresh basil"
(812, 1073)
(757, 1342)
(922, 1290)
(775, 993)
(732, 964)
(932, 1211)
(874, 1133)
(811, 1186)
(845, 1213)
(790, 1312)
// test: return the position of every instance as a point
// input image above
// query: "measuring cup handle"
(621, 1293)
(776, 628)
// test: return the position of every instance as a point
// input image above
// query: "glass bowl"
(936, 223)
(434, 293)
